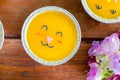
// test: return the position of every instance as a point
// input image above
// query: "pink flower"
(104, 59)
(91, 60)
(115, 63)
(114, 77)
(118, 34)
(95, 72)
(95, 45)
(108, 46)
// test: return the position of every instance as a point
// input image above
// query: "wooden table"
(15, 64)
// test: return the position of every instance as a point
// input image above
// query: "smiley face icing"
(108, 9)
(51, 35)
(49, 39)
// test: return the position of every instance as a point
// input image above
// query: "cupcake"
(106, 11)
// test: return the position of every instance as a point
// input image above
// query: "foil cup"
(96, 17)
(25, 44)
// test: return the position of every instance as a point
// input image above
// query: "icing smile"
(46, 44)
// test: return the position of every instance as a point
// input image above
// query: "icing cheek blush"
(51, 35)
(106, 11)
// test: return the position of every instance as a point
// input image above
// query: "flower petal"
(108, 46)
(95, 72)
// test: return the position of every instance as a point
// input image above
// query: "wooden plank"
(14, 12)
(15, 64)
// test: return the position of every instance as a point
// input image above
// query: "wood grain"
(15, 64)
(14, 12)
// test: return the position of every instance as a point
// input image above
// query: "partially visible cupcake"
(1, 35)
(106, 11)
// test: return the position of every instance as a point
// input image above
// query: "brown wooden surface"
(15, 64)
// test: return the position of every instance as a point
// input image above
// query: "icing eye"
(112, 11)
(98, 7)
(44, 27)
(59, 33)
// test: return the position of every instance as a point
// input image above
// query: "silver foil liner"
(25, 26)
